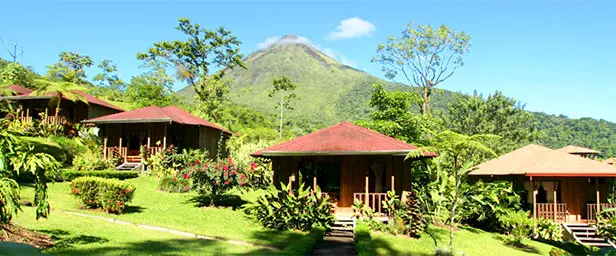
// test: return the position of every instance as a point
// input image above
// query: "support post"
(165, 137)
(555, 209)
(366, 190)
(393, 182)
(120, 148)
(598, 205)
(27, 114)
(105, 148)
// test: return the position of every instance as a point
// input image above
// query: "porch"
(567, 199)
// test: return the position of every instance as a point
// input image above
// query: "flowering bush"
(111, 195)
(212, 179)
(177, 182)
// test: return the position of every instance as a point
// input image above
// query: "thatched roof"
(535, 160)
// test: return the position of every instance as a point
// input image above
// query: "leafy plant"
(358, 207)
(175, 184)
(213, 179)
(548, 230)
(93, 160)
(517, 225)
(293, 209)
(111, 195)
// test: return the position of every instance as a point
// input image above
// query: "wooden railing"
(58, 120)
(155, 150)
(375, 201)
(591, 209)
(123, 151)
(546, 211)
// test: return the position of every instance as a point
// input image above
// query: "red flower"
(233, 172)
(226, 167)
(197, 161)
(242, 176)
(226, 182)
(174, 179)
(253, 165)
(241, 183)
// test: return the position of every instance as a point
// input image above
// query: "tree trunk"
(453, 214)
(425, 95)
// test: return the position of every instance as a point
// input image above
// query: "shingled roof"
(535, 160)
(24, 93)
(341, 139)
(155, 114)
(572, 149)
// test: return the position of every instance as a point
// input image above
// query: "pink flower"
(226, 168)
(226, 182)
(242, 177)
(253, 165)
(241, 183)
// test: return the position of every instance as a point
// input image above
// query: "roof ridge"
(383, 137)
(298, 139)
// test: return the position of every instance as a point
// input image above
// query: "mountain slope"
(328, 91)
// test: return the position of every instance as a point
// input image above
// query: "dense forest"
(327, 92)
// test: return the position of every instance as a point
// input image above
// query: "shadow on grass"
(518, 246)
(164, 247)
(573, 248)
(436, 234)
(366, 244)
(227, 200)
(64, 239)
(133, 209)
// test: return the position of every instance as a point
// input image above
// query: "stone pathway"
(336, 242)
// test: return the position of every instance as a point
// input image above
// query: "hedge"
(68, 175)
(111, 195)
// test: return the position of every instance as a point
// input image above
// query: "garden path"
(336, 242)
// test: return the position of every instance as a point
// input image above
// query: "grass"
(179, 211)
(467, 241)
(76, 235)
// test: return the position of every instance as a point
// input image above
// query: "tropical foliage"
(213, 179)
(517, 225)
(293, 209)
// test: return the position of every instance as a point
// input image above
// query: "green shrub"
(517, 224)
(68, 175)
(559, 252)
(548, 230)
(301, 209)
(71, 147)
(111, 195)
(212, 180)
(174, 184)
(92, 160)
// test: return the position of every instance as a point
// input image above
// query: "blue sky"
(555, 56)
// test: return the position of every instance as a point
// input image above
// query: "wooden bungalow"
(347, 162)
(31, 106)
(555, 184)
(156, 128)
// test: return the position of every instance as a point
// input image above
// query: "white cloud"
(285, 40)
(351, 28)
(336, 55)
(269, 41)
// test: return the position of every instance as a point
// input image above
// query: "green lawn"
(75, 235)
(178, 211)
(467, 241)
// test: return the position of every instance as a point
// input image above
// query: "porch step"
(344, 224)
(129, 166)
(133, 159)
(587, 235)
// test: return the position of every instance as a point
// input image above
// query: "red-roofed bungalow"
(346, 161)
(156, 128)
(31, 106)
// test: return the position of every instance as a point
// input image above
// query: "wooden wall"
(353, 170)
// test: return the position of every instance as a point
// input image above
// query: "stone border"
(171, 231)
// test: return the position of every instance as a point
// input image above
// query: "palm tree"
(58, 91)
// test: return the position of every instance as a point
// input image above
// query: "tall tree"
(202, 59)
(14, 73)
(392, 115)
(58, 91)
(496, 115)
(70, 68)
(425, 56)
(108, 81)
(283, 89)
(152, 88)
